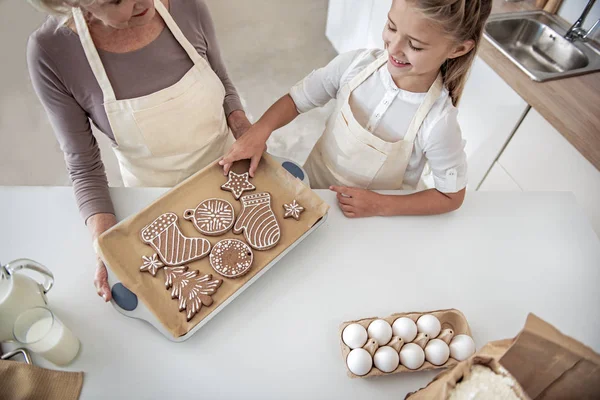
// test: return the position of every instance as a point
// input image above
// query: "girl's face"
(122, 14)
(417, 46)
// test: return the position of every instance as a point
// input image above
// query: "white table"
(499, 257)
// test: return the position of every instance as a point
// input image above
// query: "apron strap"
(430, 98)
(92, 55)
(432, 95)
(94, 58)
(174, 28)
(368, 71)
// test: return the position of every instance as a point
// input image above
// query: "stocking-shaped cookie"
(258, 222)
(171, 246)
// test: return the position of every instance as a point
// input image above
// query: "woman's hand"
(358, 203)
(238, 122)
(97, 224)
(251, 146)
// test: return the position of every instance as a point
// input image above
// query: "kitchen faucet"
(576, 32)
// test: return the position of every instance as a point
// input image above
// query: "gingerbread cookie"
(212, 217)
(191, 289)
(238, 184)
(293, 210)
(151, 264)
(258, 222)
(231, 258)
(173, 273)
(172, 246)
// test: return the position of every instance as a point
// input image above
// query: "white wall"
(571, 10)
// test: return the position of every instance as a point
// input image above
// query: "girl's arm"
(313, 91)
(358, 203)
(252, 144)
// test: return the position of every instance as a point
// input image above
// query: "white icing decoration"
(212, 217)
(151, 264)
(238, 184)
(238, 248)
(293, 210)
(171, 245)
(258, 222)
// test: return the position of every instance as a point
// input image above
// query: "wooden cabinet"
(539, 158)
(489, 112)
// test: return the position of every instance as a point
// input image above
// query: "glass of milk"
(43, 333)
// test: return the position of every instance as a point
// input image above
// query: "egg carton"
(449, 319)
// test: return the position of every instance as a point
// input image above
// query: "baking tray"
(129, 303)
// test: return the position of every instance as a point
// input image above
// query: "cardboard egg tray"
(449, 319)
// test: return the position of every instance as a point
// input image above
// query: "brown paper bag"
(551, 365)
(443, 384)
(546, 363)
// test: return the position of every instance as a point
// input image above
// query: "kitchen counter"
(571, 105)
(499, 257)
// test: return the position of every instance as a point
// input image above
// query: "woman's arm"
(238, 122)
(358, 203)
(315, 90)
(236, 117)
(98, 224)
(73, 131)
(82, 155)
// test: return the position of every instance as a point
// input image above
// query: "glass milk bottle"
(19, 292)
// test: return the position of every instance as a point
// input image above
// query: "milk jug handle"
(25, 263)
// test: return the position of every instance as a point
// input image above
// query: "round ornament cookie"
(231, 258)
(212, 217)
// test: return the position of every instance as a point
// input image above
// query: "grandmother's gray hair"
(60, 8)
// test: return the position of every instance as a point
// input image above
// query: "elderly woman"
(149, 76)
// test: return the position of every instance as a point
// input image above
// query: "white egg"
(386, 359)
(412, 356)
(430, 325)
(437, 352)
(381, 331)
(354, 336)
(359, 362)
(405, 328)
(462, 347)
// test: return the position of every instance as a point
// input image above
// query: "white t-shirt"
(386, 111)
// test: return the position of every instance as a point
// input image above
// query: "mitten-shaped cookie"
(258, 222)
(171, 245)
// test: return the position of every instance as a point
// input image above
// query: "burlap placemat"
(20, 381)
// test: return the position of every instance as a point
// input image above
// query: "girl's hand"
(97, 224)
(358, 203)
(251, 145)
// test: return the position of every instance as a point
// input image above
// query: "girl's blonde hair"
(462, 20)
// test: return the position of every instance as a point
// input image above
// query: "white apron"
(164, 137)
(349, 155)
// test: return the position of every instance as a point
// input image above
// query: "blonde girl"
(395, 111)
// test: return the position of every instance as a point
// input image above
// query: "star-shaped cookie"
(151, 264)
(238, 184)
(293, 210)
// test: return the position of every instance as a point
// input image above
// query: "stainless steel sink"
(535, 42)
